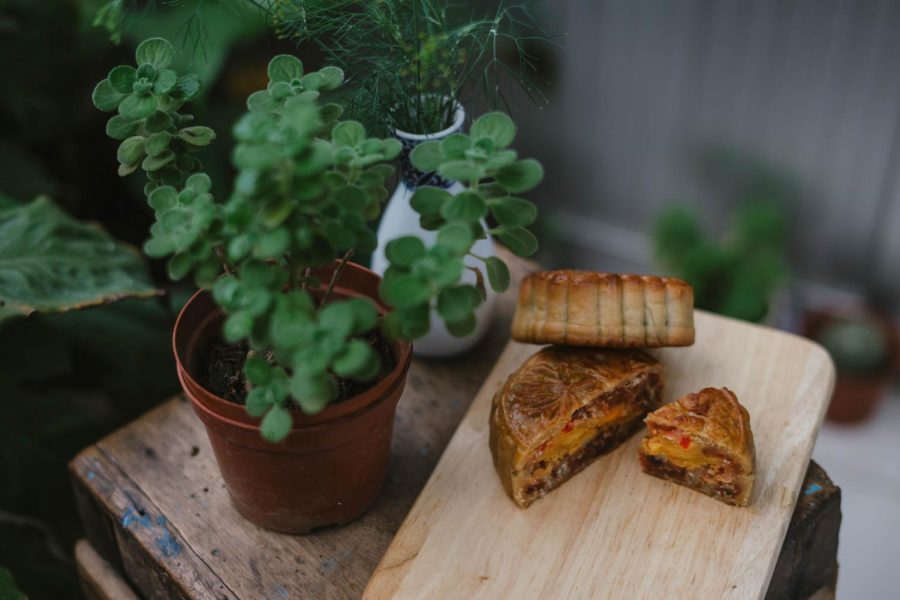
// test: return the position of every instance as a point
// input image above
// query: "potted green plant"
(411, 63)
(735, 276)
(293, 356)
(864, 348)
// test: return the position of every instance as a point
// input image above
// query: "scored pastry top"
(538, 400)
(585, 308)
(713, 414)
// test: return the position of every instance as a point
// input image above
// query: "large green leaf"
(50, 262)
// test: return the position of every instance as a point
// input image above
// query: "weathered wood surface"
(155, 508)
(99, 579)
(611, 531)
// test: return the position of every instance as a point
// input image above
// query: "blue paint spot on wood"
(281, 591)
(166, 543)
(91, 475)
(812, 489)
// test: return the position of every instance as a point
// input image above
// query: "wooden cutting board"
(611, 531)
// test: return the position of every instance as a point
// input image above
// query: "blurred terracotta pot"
(332, 466)
(856, 395)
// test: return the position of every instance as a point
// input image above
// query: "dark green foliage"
(856, 343)
(735, 276)
(410, 61)
(420, 277)
(8, 589)
(50, 262)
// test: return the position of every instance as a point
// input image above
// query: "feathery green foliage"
(409, 62)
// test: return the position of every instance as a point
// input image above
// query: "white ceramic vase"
(399, 219)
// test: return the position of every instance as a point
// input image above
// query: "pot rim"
(225, 409)
(459, 118)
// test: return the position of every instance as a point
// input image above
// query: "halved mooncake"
(584, 308)
(564, 407)
(702, 441)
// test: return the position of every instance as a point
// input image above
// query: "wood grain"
(613, 532)
(98, 578)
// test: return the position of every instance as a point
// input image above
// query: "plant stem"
(335, 275)
(226, 264)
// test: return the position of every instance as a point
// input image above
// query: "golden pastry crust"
(717, 455)
(583, 308)
(562, 408)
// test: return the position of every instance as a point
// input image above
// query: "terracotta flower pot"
(331, 467)
(856, 395)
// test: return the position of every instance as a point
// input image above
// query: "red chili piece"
(685, 442)
(569, 427)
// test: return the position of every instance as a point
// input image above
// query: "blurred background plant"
(734, 276)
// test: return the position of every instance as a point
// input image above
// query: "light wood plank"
(612, 532)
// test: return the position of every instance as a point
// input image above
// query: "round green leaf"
(403, 290)
(465, 206)
(120, 128)
(258, 402)
(272, 244)
(429, 200)
(498, 274)
(165, 82)
(158, 121)
(427, 156)
(155, 51)
(338, 318)
(312, 390)
(197, 136)
(285, 67)
(260, 101)
(122, 78)
(365, 315)
(520, 176)
(199, 182)
(512, 212)
(403, 251)
(463, 327)
(163, 198)
(348, 133)
(279, 90)
(136, 107)
(312, 81)
(131, 150)
(455, 303)
(154, 163)
(238, 326)
(408, 323)
(518, 239)
(454, 147)
(105, 97)
(456, 237)
(332, 78)
(460, 170)
(351, 199)
(277, 423)
(391, 148)
(499, 159)
(157, 142)
(180, 265)
(495, 126)
(356, 359)
(257, 370)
